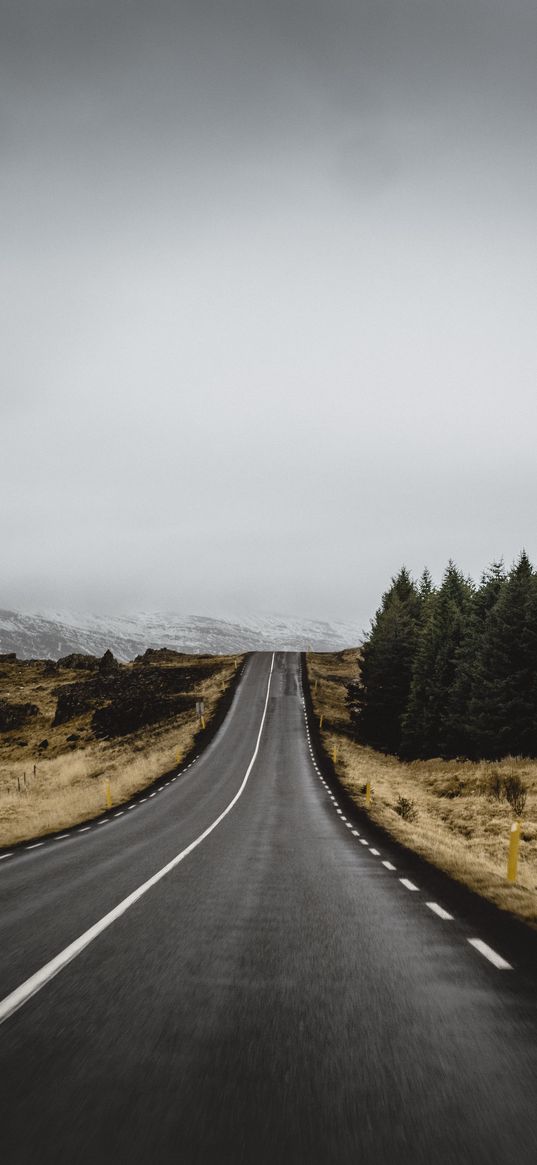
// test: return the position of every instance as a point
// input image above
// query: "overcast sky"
(269, 299)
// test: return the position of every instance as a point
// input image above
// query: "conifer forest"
(451, 671)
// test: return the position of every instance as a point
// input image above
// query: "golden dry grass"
(69, 783)
(459, 825)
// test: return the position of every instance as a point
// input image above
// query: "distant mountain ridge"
(50, 635)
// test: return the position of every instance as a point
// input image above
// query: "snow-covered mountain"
(50, 635)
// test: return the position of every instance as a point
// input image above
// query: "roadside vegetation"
(455, 812)
(69, 727)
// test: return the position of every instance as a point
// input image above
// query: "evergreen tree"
(503, 706)
(433, 674)
(457, 731)
(377, 701)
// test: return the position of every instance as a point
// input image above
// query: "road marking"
(389, 866)
(31, 986)
(119, 814)
(143, 801)
(409, 885)
(439, 910)
(355, 833)
(86, 828)
(152, 795)
(363, 841)
(4, 856)
(106, 822)
(348, 824)
(35, 845)
(133, 806)
(489, 954)
(61, 836)
(374, 851)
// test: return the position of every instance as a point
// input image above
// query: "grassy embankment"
(460, 822)
(69, 782)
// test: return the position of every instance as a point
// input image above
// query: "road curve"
(280, 994)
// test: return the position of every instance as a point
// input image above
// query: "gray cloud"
(269, 288)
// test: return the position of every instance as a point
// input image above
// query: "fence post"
(512, 860)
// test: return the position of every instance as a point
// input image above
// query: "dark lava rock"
(79, 662)
(15, 715)
(73, 736)
(108, 663)
(124, 699)
(50, 668)
(8, 657)
(43, 744)
(74, 700)
(159, 655)
(135, 710)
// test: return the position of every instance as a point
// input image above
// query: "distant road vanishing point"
(230, 970)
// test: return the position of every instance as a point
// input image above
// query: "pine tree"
(503, 707)
(433, 674)
(378, 699)
(457, 732)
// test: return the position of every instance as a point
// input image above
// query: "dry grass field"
(458, 815)
(53, 786)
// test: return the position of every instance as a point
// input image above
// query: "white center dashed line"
(355, 833)
(4, 856)
(375, 852)
(85, 829)
(488, 953)
(409, 885)
(389, 866)
(152, 795)
(61, 836)
(439, 910)
(35, 845)
(119, 814)
(363, 841)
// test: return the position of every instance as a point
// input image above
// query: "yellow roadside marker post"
(178, 756)
(512, 860)
(108, 791)
(334, 753)
(368, 794)
(321, 720)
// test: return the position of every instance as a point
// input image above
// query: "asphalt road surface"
(278, 994)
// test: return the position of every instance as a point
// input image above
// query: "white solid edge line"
(31, 986)
(439, 910)
(489, 954)
(409, 885)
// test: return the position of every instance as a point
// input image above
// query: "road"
(278, 995)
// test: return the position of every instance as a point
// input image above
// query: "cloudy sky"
(269, 279)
